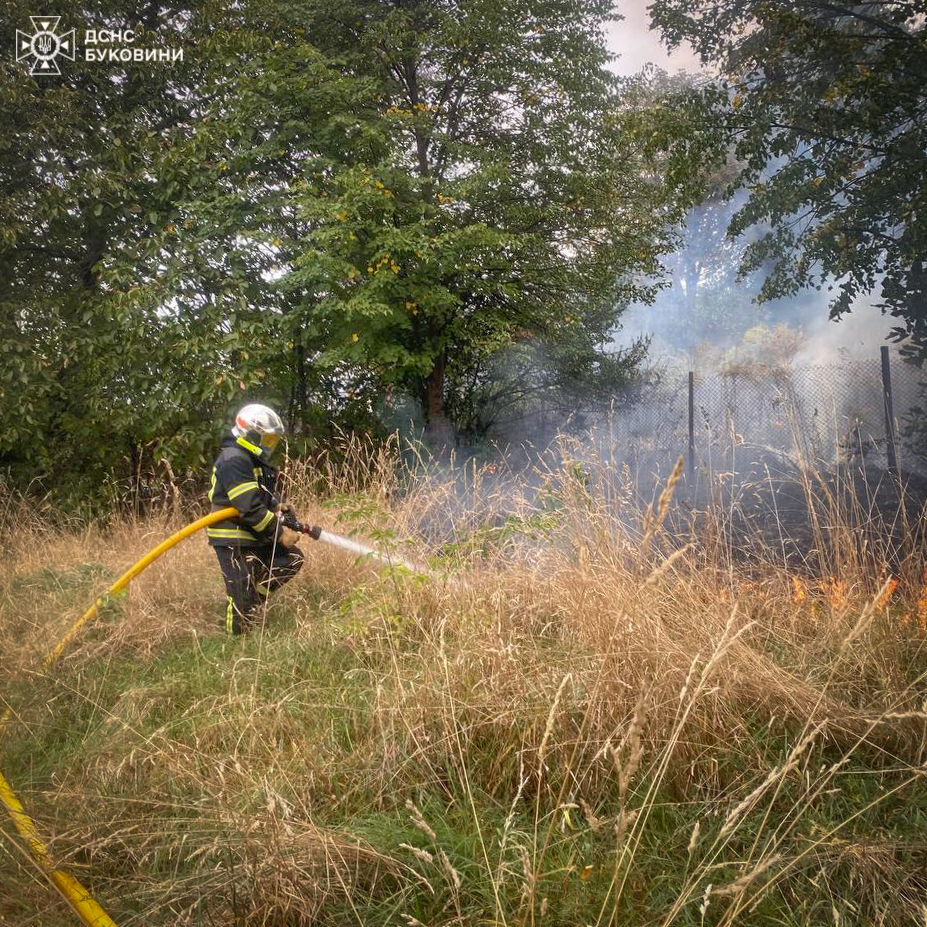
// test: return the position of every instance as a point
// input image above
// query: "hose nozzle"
(291, 522)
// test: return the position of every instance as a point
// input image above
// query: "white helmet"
(258, 429)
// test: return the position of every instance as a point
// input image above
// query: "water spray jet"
(337, 540)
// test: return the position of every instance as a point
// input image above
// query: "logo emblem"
(44, 45)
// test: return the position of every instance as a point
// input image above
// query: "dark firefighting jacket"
(241, 479)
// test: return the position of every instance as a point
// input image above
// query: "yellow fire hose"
(90, 913)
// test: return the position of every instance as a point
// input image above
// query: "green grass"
(568, 746)
(321, 692)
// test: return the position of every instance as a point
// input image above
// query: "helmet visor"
(269, 443)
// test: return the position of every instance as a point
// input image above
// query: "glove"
(288, 537)
(287, 515)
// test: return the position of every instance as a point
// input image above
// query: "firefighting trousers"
(251, 574)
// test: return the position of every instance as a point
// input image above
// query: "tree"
(501, 190)
(137, 305)
(91, 373)
(323, 203)
(827, 107)
(275, 120)
(534, 387)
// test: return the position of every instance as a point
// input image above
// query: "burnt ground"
(809, 518)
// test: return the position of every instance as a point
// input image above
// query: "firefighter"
(257, 552)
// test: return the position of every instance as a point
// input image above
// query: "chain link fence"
(863, 413)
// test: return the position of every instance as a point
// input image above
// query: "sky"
(634, 41)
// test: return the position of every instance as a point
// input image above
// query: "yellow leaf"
(355, 337)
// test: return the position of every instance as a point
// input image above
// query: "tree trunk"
(302, 393)
(438, 431)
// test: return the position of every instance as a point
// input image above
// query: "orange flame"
(752, 589)
(799, 591)
(836, 593)
(889, 589)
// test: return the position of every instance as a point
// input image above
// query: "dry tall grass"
(592, 712)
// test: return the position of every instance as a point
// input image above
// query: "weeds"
(592, 713)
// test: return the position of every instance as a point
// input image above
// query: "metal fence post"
(889, 412)
(691, 421)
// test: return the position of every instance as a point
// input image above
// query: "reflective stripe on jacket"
(241, 479)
